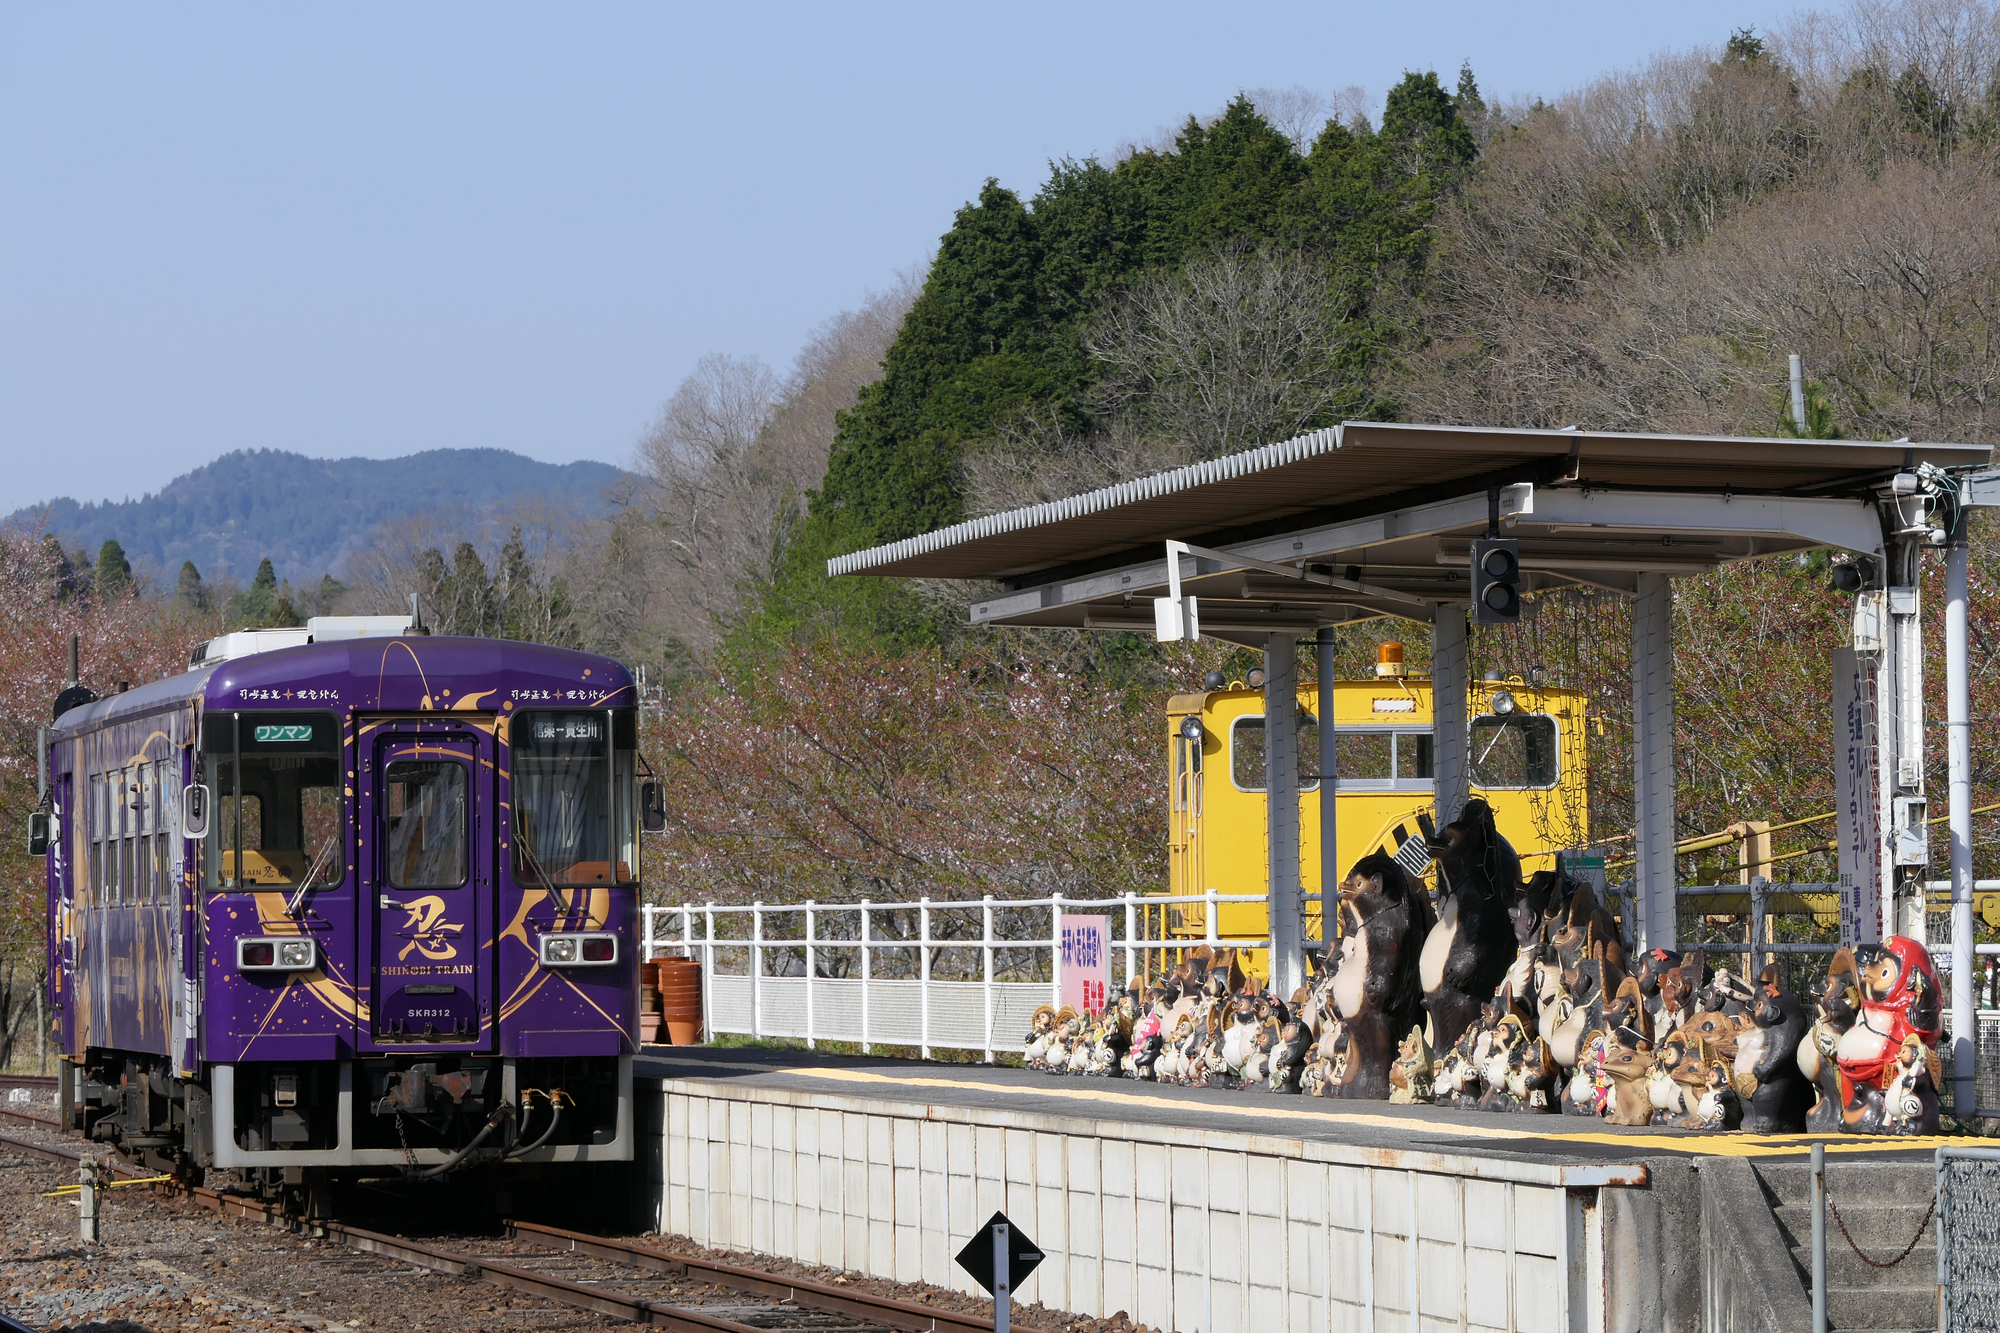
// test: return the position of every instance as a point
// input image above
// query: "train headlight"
(1502, 702)
(579, 950)
(276, 955)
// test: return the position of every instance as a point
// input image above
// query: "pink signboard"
(1086, 962)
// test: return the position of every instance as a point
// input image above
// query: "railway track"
(616, 1278)
(10, 1083)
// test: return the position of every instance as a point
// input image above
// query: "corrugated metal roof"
(1373, 467)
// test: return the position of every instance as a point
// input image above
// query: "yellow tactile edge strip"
(1712, 1145)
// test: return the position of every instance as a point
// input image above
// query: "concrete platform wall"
(1182, 1229)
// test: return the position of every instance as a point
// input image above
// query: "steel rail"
(803, 1292)
(574, 1294)
(46, 1121)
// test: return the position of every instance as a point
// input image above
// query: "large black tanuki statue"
(1375, 988)
(1773, 1089)
(1469, 950)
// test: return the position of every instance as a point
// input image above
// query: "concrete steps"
(1882, 1205)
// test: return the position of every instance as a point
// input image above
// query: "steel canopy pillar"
(1330, 871)
(1450, 685)
(1281, 789)
(1958, 758)
(1653, 761)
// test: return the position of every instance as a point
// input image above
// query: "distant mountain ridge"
(309, 514)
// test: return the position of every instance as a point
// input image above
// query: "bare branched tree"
(1296, 112)
(1035, 458)
(1350, 106)
(724, 474)
(1236, 348)
(1643, 253)
(704, 494)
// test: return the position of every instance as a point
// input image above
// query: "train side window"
(114, 836)
(424, 820)
(142, 833)
(1246, 752)
(164, 840)
(1514, 751)
(128, 837)
(93, 814)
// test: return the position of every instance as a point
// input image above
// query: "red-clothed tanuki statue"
(1896, 1028)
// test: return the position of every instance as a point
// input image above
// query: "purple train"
(350, 897)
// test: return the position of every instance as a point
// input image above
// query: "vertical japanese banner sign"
(1086, 962)
(1854, 797)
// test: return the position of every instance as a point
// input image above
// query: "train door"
(426, 793)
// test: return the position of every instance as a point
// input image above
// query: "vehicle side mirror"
(194, 811)
(652, 807)
(39, 824)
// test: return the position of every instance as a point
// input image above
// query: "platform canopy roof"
(1370, 518)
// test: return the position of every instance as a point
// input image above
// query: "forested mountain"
(307, 515)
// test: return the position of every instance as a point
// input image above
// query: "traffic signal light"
(1496, 581)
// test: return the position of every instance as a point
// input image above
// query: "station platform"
(1375, 1125)
(1226, 1211)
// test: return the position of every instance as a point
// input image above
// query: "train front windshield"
(573, 798)
(282, 819)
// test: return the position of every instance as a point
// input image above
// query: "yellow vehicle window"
(1514, 751)
(1413, 757)
(1365, 755)
(1246, 753)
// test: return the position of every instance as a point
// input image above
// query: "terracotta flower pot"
(680, 999)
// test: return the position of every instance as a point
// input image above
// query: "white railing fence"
(968, 974)
(954, 973)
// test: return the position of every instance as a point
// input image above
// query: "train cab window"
(1246, 752)
(574, 797)
(283, 817)
(425, 824)
(1514, 751)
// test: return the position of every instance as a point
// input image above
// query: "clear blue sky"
(374, 229)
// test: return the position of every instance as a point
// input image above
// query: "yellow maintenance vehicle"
(1527, 759)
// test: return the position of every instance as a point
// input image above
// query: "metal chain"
(411, 1153)
(1922, 1227)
